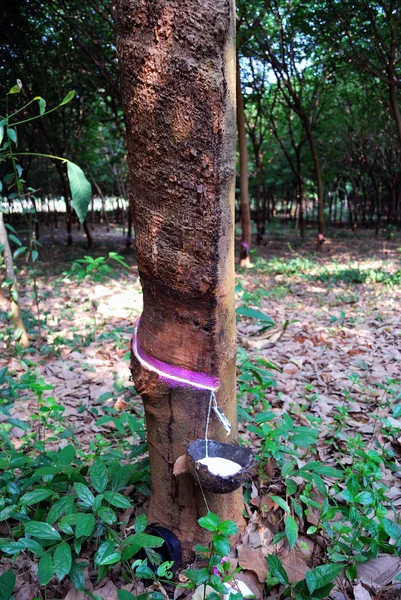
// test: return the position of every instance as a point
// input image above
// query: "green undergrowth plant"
(93, 270)
(344, 504)
(333, 272)
(217, 578)
(63, 504)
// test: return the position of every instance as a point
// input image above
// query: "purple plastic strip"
(177, 375)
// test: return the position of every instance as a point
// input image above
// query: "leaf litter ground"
(336, 317)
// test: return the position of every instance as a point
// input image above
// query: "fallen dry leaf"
(380, 571)
(361, 593)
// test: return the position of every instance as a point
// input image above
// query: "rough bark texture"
(178, 84)
(245, 257)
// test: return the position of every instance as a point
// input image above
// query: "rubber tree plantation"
(178, 88)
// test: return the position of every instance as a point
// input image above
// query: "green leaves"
(133, 543)
(42, 104)
(392, 529)
(85, 525)
(7, 584)
(62, 560)
(221, 544)
(291, 530)
(276, 569)
(45, 568)
(84, 494)
(81, 190)
(42, 531)
(98, 476)
(67, 98)
(35, 496)
(210, 521)
(106, 555)
(117, 500)
(12, 134)
(245, 311)
(321, 576)
(228, 528)
(281, 502)
(16, 88)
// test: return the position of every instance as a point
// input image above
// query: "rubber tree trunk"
(245, 257)
(18, 323)
(178, 86)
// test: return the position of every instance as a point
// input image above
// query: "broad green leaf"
(265, 416)
(228, 528)
(19, 251)
(45, 569)
(16, 88)
(365, 498)
(121, 477)
(282, 503)
(14, 239)
(291, 530)
(59, 508)
(291, 486)
(322, 576)
(81, 190)
(7, 584)
(221, 544)
(124, 595)
(107, 515)
(133, 543)
(98, 476)
(6, 512)
(117, 500)
(12, 134)
(198, 576)
(42, 104)
(42, 531)
(62, 560)
(245, 311)
(392, 529)
(33, 546)
(276, 569)
(77, 577)
(106, 555)
(84, 494)
(140, 523)
(67, 98)
(210, 521)
(85, 525)
(1, 134)
(35, 496)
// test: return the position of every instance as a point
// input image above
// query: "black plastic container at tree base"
(219, 484)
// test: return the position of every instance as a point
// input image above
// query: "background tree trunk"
(245, 257)
(178, 84)
(14, 296)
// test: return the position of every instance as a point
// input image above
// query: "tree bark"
(14, 296)
(178, 86)
(245, 257)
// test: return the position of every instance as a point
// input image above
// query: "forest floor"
(336, 342)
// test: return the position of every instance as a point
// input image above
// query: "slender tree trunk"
(19, 326)
(395, 108)
(245, 257)
(318, 175)
(178, 87)
(89, 237)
